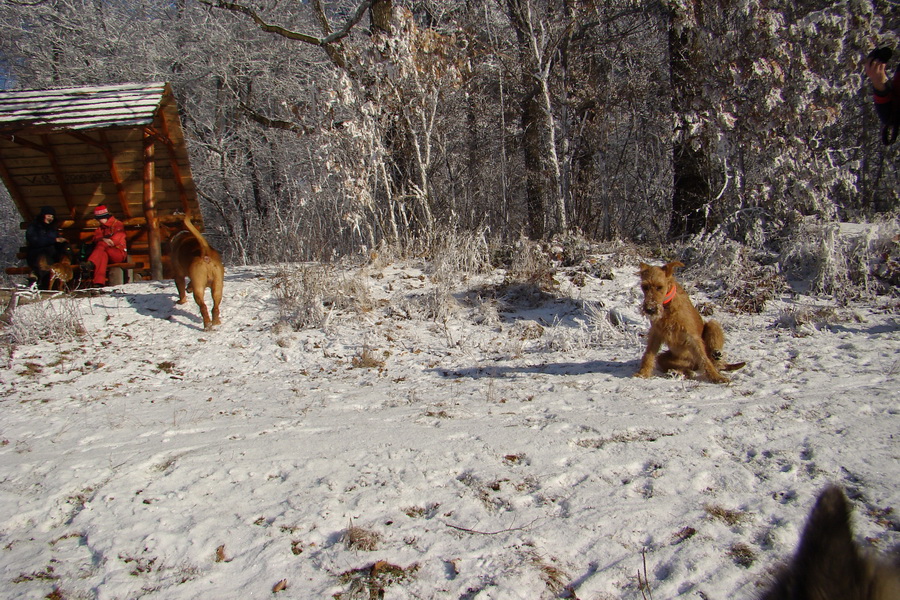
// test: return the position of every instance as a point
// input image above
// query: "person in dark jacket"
(887, 92)
(44, 245)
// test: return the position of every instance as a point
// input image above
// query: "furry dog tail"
(732, 366)
(204, 245)
(714, 341)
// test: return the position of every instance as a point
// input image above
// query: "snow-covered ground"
(431, 446)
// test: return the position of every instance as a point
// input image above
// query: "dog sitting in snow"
(829, 565)
(693, 345)
(193, 257)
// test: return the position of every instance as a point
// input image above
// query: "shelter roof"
(79, 108)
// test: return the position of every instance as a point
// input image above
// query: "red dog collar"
(670, 295)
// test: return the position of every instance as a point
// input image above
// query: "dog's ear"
(670, 267)
(826, 558)
(643, 268)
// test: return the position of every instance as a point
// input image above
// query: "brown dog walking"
(193, 257)
(693, 345)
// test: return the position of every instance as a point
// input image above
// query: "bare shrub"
(743, 279)
(58, 319)
(815, 255)
(845, 260)
(453, 253)
(873, 255)
(527, 263)
(306, 294)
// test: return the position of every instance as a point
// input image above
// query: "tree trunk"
(691, 187)
(535, 180)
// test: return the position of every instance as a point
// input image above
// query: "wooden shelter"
(119, 145)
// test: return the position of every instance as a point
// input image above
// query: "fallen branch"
(457, 527)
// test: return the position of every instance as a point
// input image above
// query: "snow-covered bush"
(307, 294)
(527, 263)
(454, 252)
(739, 277)
(58, 319)
(846, 260)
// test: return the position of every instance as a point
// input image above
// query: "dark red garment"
(103, 253)
(887, 105)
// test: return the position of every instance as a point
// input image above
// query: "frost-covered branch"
(287, 33)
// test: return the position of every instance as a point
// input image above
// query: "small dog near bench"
(694, 345)
(61, 273)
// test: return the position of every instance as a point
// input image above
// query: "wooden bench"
(115, 272)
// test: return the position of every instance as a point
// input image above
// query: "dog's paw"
(643, 375)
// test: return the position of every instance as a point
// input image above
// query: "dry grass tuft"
(368, 359)
(553, 576)
(166, 367)
(625, 437)
(804, 320)
(528, 266)
(371, 582)
(727, 516)
(742, 555)
(683, 534)
(420, 512)
(359, 538)
(453, 253)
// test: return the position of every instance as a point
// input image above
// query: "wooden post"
(153, 238)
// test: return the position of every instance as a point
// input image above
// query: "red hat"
(101, 212)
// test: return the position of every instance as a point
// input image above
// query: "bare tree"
(321, 129)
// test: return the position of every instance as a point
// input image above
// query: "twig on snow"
(457, 527)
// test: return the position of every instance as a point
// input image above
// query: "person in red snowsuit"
(109, 245)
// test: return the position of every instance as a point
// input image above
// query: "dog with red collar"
(693, 345)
